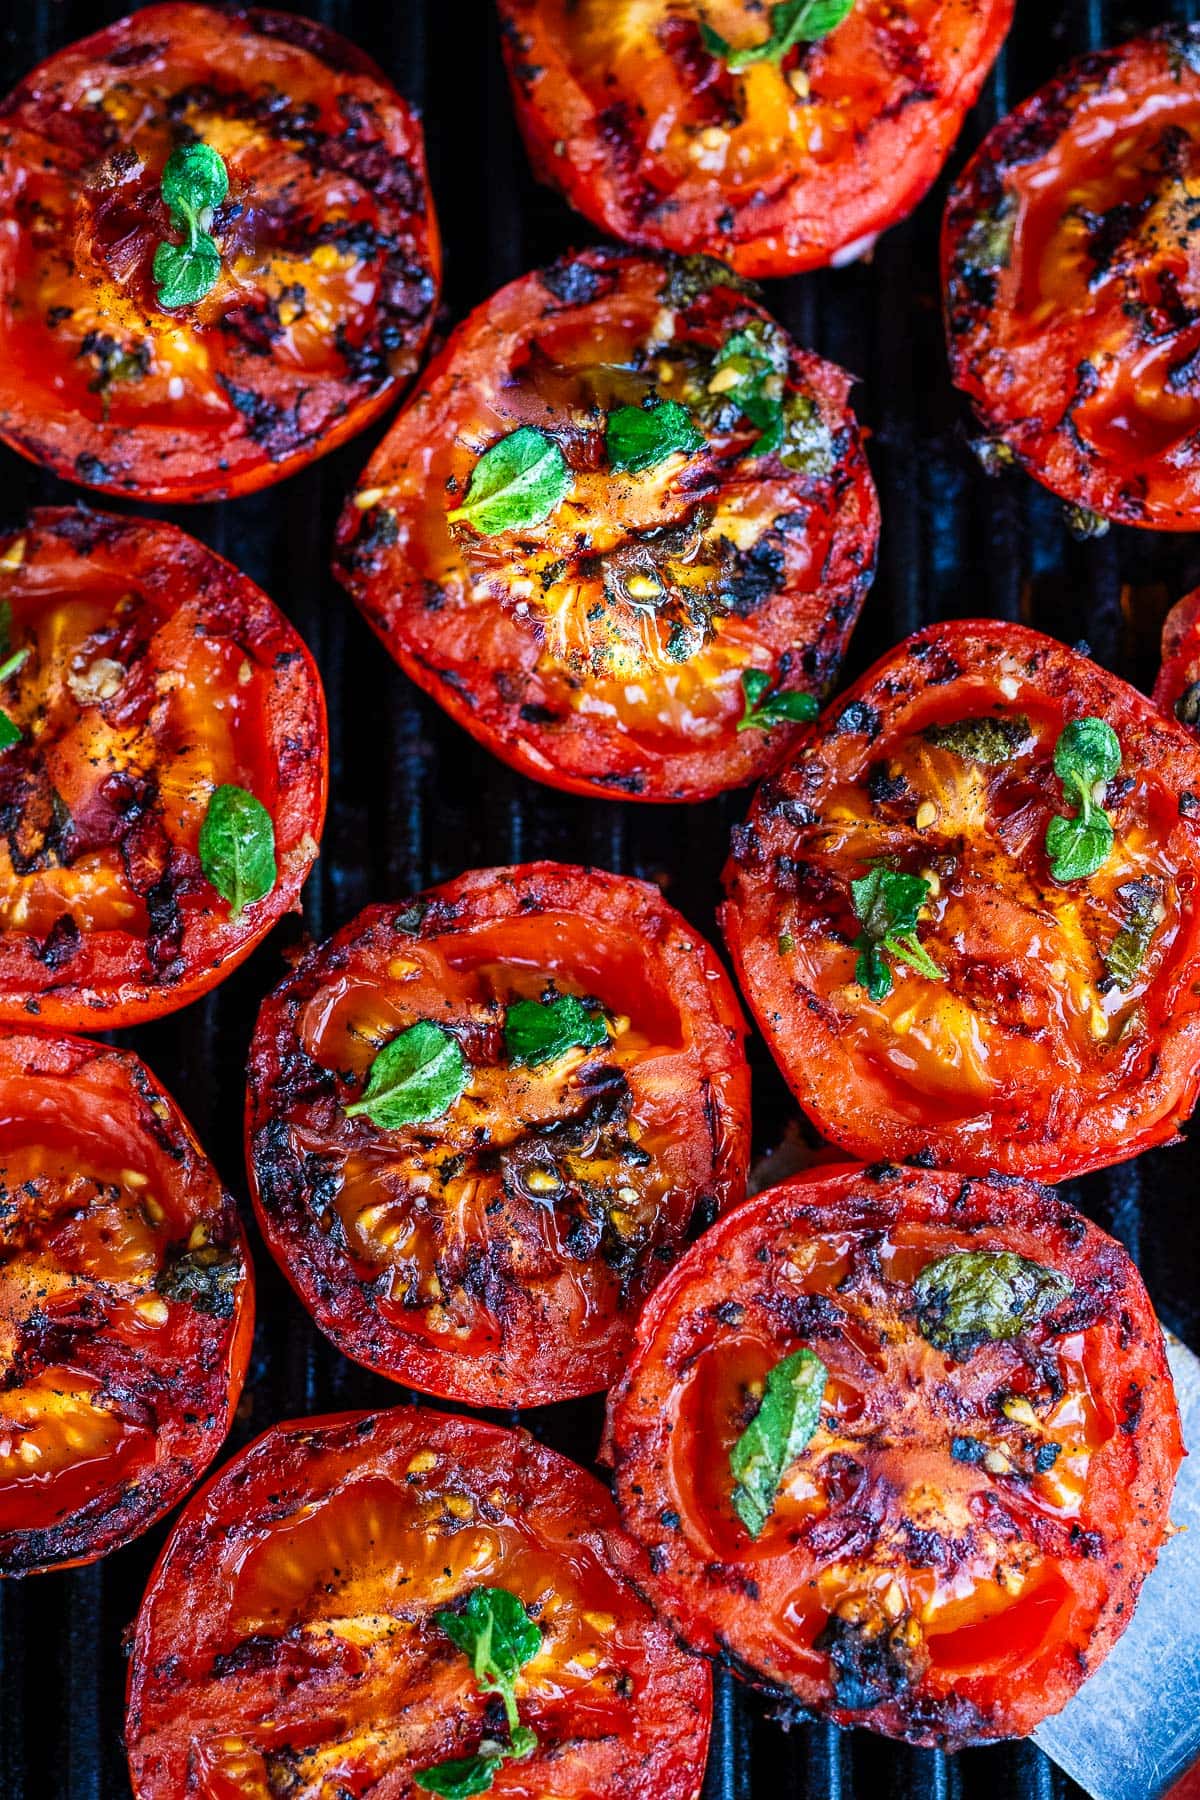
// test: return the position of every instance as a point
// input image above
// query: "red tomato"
(1059, 1027)
(602, 648)
(289, 1639)
(1067, 262)
(962, 1537)
(1177, 689)
(155, 674)
(328, 253)
(786, 164)
(496, 1247)
(126, 1302)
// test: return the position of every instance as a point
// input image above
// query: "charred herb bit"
(519, 481)
(494, 1630)
(792, 22)
(691, 277)
(989, 739)
(203, 1279)
(540, 1031)
(971, 1297)
(887, 904)
(415, 1077)
(1086, 757)
(782, 1427)
(10, 732)
(638, 438)
(237, 847)
(1125, 955)
(765, 705)
(194, 182)
(750, 372)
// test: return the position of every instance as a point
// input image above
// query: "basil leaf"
(540, 1031)
(764, 707)
(463, 1776)
(494, 1630)
(784, 1423)
(974, 1296)
(887, 904)
(194, 181)
(416, 1076)
(988, 739)
(793, 22)
(640, 437)
(237, 848)
(1086, 756)
(519, 481)
(1127, 952)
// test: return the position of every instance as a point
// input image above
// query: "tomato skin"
(1062, 249)
(655, 1125)
(330, 255)
(637, 1730)
(889, 92)
(896, 1405)
(107, 919)
(1180, 668)
(139, 1291)
(518, 636)
(1028, 1058)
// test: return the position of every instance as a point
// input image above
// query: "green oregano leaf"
(1127, 952)
(783, 1425)
(887, 904)
(519, 481)
(497, 1635)
(237, 848)
(194, 182)
(461, 1776)
(972, 1297)
(792, 22)
(416, 1076)
(539, 1031)
(764, 706)
(640, 437)
(10, 731)
(1086, 757)
(989, 739)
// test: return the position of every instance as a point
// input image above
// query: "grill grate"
(414, 800)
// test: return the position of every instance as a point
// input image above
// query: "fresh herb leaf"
(10, 731)
(539, 1031)
(462, 1776)
(519, 481)
(765, 706)
(416, 1076)
(1086, 757)
(750, 371)
(194, 182)
(793, 22)
(494, 1630)
(237, 848)
(1127, 952)
(640, 437)
(989, 739)
(887, 904)
(780, 1429)
(975, 1296)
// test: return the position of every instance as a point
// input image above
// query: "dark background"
(414, 801)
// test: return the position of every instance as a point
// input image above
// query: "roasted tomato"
(692, 126)
(481, 1124)
(967, 915)
(1071, 262)
(302, 267)
(160, 724)
(901, 1445)
(1177, 689)
(126, 1302)
(312, 1625)
(620, 495)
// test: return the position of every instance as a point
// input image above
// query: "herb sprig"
(540, 1031)
(237, 847)
(494, 1630)
(765, 705)
(518, 481)
(194, 183)
(792, 22)
(1086, 757)
(781, 1428)
(418, 1075)
(638, 438)
(887, 904)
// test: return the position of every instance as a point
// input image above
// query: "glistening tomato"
(966, 915)
(1069, 256)
(561, 1098)
(950, 1529)
(145, 682)
(1177, 689)
(778, 162)
(126, 1302)
(293, 1637)
(323, 262)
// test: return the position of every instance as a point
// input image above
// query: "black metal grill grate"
(414, 801)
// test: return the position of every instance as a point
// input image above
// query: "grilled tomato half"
(219, 257)
(126, 1302)
(406, 1603)
(1071, 262)
(623, 531)
(785, 136)
(482, 1124)
(902, 1445)
(967, 914)
(163, 769)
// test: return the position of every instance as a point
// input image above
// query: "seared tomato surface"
(329, 262)
(151, 674)
(788, 163)
(126, 1302)
(495, 1248)
(1177, 689)
(291, 1641)
(1026, 1017)
(602, 647)
(992, 1443)
(1071, 274)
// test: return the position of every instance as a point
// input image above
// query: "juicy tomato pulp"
(288, 1641)
(1064, 1032)
(604, 648)
(786, 164)
(126, 1303)
(1072, 270)
(155, 674)
(498, 1252)
(965, 1533)
(328, 252)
